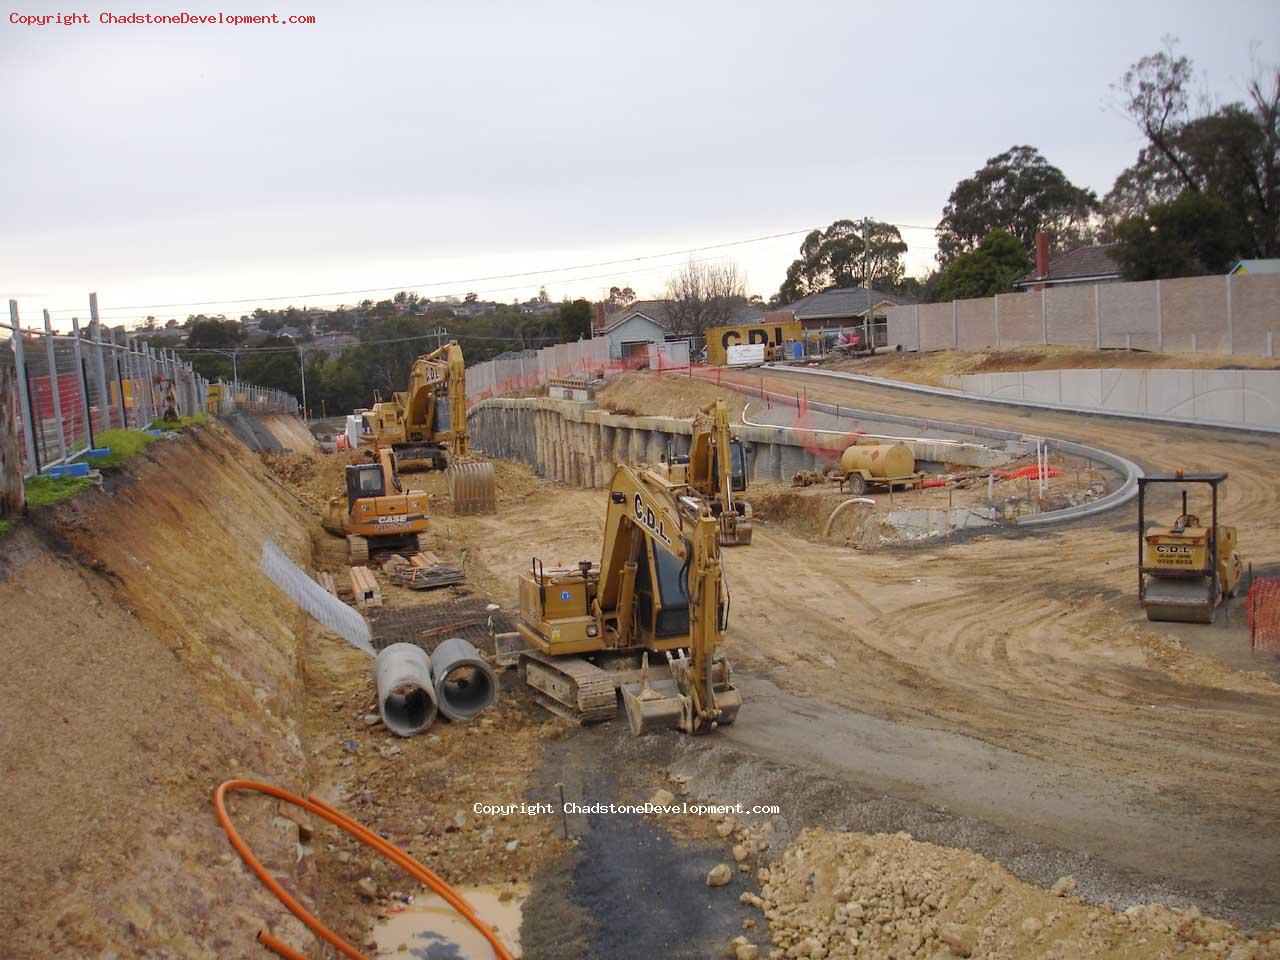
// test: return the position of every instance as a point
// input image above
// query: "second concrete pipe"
(465, 683)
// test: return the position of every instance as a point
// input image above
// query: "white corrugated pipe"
(406, 695)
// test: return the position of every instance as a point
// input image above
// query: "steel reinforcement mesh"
(1262, 605)
(429, 624)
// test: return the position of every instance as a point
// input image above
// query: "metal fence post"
(53, 384)
(28, 429)
(100, 372)
(82, 371)
(118, 363)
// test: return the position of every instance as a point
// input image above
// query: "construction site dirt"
(998, 693)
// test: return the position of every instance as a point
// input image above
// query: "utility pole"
(866, 278)
(302, 365)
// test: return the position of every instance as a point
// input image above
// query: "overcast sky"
(391, 145)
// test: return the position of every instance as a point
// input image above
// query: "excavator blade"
(473, 487)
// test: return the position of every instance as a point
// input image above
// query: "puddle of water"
(430, 929)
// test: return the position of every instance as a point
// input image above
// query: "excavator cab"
(737, 468)
(364, 480)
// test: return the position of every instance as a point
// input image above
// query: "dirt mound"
(153, 660)
(843, 895)
(806, 512)
(641, 393)
(932, 368)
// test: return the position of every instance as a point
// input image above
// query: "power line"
(362, 343)
(439, 283)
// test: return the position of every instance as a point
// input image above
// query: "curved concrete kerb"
(406, 694)
(465, 683)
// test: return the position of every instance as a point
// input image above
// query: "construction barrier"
(1262, 605)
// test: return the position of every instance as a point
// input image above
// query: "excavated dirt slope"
(144, 660)
(931, 368)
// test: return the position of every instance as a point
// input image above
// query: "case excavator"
(646, 621)
(376, 513)
(716, 467)
(426, 426)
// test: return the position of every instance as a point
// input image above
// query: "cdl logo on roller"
(1171, 548)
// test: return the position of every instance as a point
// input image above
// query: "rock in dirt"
(719, 875)
(747, 951)
(367, 888)
(1031, 926)
(959, 938)
(740, 852)
(1064, 886)
(663, 798)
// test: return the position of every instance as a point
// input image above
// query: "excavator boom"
(648, 619)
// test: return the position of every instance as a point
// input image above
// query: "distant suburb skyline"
(383, 148)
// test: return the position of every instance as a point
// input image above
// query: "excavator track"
(571, 687)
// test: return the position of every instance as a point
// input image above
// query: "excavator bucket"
(473, 487)
(735, 531)
(660, 703)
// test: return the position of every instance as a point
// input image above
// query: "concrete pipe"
(465, 683)
(406, 695)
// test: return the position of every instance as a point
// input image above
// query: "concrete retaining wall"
(579, 444)
(1243, 398)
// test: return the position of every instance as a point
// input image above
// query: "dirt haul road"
(1022, 684)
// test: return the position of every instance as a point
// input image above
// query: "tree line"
(1203, 192)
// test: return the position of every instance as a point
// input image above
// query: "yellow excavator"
(659, 591)
(426, 426)
(716, 467)
(376, 513)
(1186, 570)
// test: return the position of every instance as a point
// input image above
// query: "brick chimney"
(1042, 258)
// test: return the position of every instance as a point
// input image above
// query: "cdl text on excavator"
(648, 620)
(716, 467)
(376, 513)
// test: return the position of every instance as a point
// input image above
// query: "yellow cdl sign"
(720, 339)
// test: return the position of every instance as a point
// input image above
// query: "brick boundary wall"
(1237, 315)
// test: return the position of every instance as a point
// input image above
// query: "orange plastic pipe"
(361, 833)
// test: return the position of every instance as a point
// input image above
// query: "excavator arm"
(716, 464)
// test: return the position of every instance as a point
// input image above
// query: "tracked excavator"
(376, 513)
(716, 467)
(426, 426)
(646, 621)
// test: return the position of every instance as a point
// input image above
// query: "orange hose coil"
(361, 833)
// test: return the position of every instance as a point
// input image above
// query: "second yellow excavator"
(426, 426)
(659, 591)
(716, 467)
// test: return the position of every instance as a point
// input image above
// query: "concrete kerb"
(1128, 470)
(950, 393)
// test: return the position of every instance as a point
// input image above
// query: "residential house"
(1244, 267)
(631, 329)
(1092, 264)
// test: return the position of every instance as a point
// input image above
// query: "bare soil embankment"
(933, 368)
(145, 660)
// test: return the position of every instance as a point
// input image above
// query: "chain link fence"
(69, 389)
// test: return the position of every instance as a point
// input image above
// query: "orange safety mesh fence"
(1031, 472)
(1263, 606)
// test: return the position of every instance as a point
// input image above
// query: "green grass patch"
(123, 443)
(5, 527)
(182, 423)
(43, 491)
